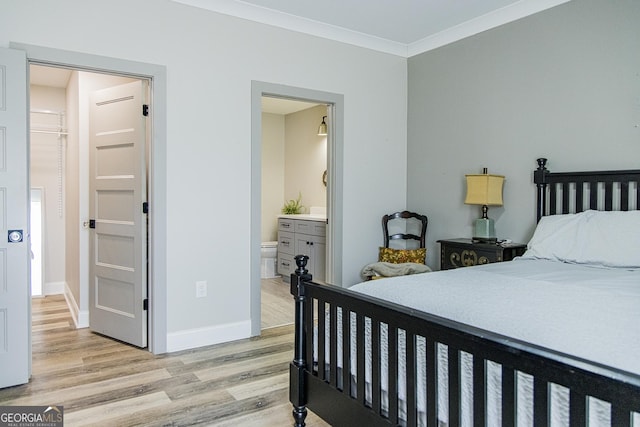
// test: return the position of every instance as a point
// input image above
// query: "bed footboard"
(363, 361)
(298, 368)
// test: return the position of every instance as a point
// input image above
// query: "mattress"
(555, 305)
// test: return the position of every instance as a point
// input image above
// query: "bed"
(394, 352)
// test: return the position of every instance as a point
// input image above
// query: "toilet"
(268, 255)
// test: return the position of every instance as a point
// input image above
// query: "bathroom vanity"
(302, 234)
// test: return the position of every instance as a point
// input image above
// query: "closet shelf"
(50, 131)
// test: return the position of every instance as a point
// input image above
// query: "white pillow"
(599, 238)
(554, 238)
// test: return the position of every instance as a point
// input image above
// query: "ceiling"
(49, 76)
(284, 106)
(400, 27)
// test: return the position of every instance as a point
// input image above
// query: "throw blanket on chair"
(387, 269)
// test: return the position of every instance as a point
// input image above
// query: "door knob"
(15, 236)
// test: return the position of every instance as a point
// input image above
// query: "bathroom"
(290, 133)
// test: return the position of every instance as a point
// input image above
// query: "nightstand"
(456, 253)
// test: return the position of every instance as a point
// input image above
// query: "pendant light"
(322, 129)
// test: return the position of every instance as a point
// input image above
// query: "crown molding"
(482, 23)
(243, 10)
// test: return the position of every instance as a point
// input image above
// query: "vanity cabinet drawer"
(286, 242)
(300, 236)
(285, 224)
(313, 228)
(286, 266)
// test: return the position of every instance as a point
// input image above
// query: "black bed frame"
(331, 393)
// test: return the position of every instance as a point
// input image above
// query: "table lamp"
(485, 190)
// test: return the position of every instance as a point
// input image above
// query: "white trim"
(80, 318)
(482, 23)
(287, 21)
(200, 337)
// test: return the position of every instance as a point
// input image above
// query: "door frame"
(157, 230)
(335, 162)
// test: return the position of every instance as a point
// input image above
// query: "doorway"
(48, 138)
(17, 58)
(289, 131)
(60, 150)
(334, 164)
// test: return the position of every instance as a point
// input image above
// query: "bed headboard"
(572, 192)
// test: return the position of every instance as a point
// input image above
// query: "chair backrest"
(421, 220)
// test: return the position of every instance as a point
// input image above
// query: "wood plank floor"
(277, 307)
(102, 382)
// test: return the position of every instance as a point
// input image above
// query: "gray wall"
(562, 84)
(272, 194)
(285, 139)
(303, 142)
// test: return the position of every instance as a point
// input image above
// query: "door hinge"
(145, 110)
(92, 223)
(145, 304)
(145, 207)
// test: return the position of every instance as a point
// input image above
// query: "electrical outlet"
(201, 289)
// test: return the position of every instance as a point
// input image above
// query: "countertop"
(308, 217)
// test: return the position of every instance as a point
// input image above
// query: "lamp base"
(484, 230)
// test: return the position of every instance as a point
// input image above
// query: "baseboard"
(200, 337)
(80, 318)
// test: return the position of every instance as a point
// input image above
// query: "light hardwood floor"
(102, 382)
(277, 303)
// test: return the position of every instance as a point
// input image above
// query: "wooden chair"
(409, 233)
(406, 236)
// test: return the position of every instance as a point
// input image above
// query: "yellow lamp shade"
(484, 189)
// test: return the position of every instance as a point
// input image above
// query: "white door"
(15, 308)
(118, 261)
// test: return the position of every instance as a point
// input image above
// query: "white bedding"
(588, 312)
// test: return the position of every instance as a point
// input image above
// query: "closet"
(47, 164)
